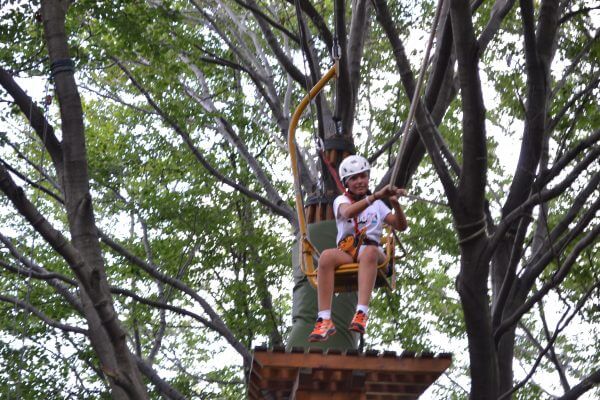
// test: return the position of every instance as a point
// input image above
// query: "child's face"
(359, 183)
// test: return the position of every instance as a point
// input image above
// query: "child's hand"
(390, 192)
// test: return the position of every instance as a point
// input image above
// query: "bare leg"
(368, 259)
(330, 259)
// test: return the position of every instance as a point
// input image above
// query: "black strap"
(62, 65)
(371, 242)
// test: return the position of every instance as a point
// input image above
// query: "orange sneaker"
(323, 329)
(359, 322)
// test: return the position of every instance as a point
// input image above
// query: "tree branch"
(317, 20)
(30, 182)
(572, 14)
(576, 207)
(551, 356)
(539, 198)
(284, 60)
(47, 320)
(35, 270)
(161, 385)
(286, 212)
(575, 64)
(585, 92)
(585, 385)
(558, 167)
(500, 10)
(474, 169)
(252, 6)
(538, 265)
(551, 340)
(424, 123)
(556, 279)
(36, 118)
(228, 132)
(220, 326)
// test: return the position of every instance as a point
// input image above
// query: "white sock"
(325, 314)
(363, 308)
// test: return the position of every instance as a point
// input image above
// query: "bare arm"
(397, 219)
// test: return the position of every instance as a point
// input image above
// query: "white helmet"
(353, 165)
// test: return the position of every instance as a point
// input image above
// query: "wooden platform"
(302, 374)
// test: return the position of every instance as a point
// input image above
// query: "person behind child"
(357, 210)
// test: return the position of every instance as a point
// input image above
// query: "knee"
(370, 255)
(327, 259)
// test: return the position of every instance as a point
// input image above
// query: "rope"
(419, 198)
(475, 235)
(417, 92)
(471, 225)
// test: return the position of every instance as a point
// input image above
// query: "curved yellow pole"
(306, 258)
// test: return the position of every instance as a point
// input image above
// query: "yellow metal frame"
(307, 254)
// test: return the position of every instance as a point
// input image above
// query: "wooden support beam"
(331, 375)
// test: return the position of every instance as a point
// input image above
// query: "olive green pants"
(304, 306)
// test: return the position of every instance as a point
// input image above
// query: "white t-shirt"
(372, 217)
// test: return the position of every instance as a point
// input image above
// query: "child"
(356, 210)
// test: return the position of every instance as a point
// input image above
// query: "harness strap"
(332, 171)
(371, 242)
(356, 230)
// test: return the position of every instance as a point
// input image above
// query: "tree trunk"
(90, 271)
(472, 288)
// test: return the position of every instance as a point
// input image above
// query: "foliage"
(169, 87)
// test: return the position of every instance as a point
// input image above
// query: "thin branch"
(261, 15)
(560, 326)
(37, 275)
(588, 383)
(539, 264)
(552, 353)
(424, 122)
(30, 182)
(539, 198)
(572, 14)
(575, 64)
(163, 306)
(161, 385)
(562, 226)
(565, 159)
(317, 20)
(500, 10)
(282, 210)
(117, 99)
(35, 270)
(284, 60)
(585, 92)
(47, 320)
(36, 118)
(556, 279)
(219, 325)
(38, 168)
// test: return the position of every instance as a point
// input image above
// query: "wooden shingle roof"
(315, 374)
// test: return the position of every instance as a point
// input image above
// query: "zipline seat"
(346, 275)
